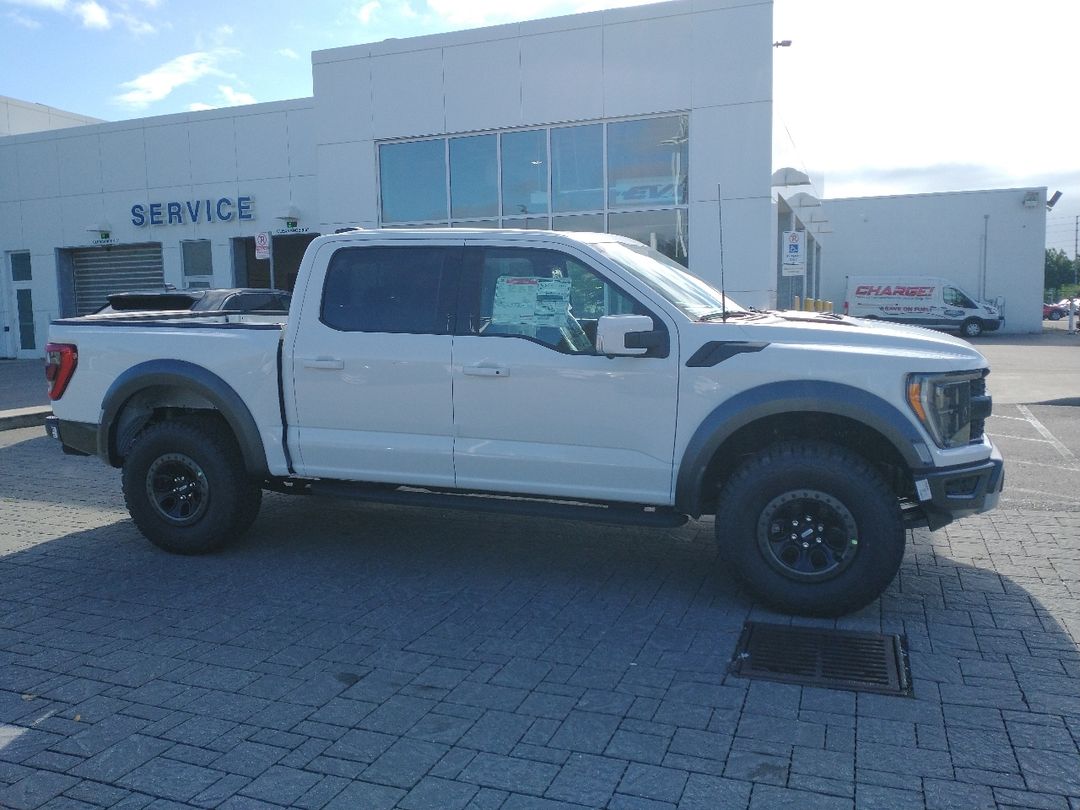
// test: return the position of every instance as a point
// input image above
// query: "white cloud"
(50, 5)
(235, 97)
(161, 81)
(135, 25)
(288, 53)
(367, 11)
(92, 15)
(21, 19)
(199, 106)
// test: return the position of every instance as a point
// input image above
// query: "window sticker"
(531, 301)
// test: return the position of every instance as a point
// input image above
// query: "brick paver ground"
(346, 656)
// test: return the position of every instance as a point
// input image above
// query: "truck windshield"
(693, 297)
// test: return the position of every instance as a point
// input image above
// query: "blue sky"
(872, 97)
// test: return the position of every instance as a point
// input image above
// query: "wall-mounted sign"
(793, 262)
(223, 209)
(290, 229)
(262, 245)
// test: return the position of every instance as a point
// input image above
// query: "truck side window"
(386, 289)
(541, 295)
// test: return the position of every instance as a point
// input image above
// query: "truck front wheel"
(186, 488)
(811, 528)
(972, 327)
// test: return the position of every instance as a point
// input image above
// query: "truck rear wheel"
(185, 486)
(811, 528)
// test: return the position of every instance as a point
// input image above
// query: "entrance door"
(536, 410)
(20, 333)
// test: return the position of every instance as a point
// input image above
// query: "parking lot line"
(1065, 452)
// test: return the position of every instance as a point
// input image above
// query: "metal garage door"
(104, 270)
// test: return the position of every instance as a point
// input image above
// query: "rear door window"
(391, 289)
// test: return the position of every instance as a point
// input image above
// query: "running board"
(617, 514)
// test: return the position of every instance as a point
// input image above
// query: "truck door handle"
(486, 371)
(324, 362)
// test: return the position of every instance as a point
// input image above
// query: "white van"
(921, 301)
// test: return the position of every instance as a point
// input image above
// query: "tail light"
(60, 362)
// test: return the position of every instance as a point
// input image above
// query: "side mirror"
(629, 335)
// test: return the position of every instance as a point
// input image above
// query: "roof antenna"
(723, 293)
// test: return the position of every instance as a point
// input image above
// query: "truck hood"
(857, 334)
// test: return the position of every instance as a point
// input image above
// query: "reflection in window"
(392, 289)
(473, 177)
(647, 162)
(528, 223)
(198, 260)
(412, 181)
(524, 173)
(581, 223)
(577, 168)
(664, 231)
(477, 223)
(24, 301)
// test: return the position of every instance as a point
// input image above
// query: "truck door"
(536, 410)
(371, 354)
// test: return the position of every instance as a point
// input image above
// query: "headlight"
(942, 403)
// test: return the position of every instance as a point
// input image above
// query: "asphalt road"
(1035, 382)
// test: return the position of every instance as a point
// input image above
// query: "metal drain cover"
(832, 659)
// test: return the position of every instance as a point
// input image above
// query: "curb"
(24, 417)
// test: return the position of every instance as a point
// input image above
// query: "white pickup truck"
(583, 376)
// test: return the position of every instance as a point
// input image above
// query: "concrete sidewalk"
(24, 398)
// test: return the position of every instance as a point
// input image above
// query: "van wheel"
(972, 327)
(186, 488)
(811, 528)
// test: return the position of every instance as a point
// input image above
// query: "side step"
(617, 514)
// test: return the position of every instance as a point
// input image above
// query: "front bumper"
(991, 325)
(956, 492)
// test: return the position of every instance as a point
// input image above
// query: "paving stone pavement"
(345, 656)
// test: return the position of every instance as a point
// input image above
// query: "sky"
(871, 97)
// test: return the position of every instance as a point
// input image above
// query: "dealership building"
(654, 122)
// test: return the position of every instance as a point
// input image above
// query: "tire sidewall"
(222, 476)
(875, 511)
(971, 328)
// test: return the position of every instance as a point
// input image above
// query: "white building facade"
(990, 243)
(634, 121)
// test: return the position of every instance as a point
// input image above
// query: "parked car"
(242, 299)
(1054, 312)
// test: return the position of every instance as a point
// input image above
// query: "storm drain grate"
(834, 659)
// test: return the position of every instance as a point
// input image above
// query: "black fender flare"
(796, 396)
(194, 378)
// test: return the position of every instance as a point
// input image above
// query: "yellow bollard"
(828, 306)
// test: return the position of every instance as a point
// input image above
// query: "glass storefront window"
(577, 168)
(477, 223)
(647, 162)
(473, 177)
(528, 223)
(582, 223)
(412, 181)
(664, 231)
(524, 174)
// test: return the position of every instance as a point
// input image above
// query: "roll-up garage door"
(105, 270)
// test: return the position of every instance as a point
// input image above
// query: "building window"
(474, 177)
(25, 303)
(412, 181)
(627, 177)
(198, 261)
(577, 168)
(20, 267)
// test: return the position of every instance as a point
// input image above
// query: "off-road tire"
(186, 488)
(844, 495)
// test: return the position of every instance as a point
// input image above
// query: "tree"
(1060, 269)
